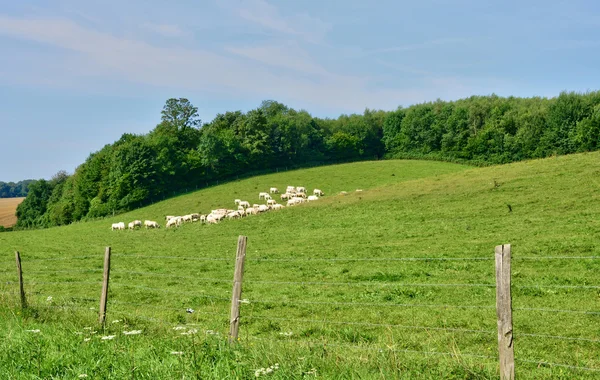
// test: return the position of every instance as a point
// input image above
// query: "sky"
(75, 76)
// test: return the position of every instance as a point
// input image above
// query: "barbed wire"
(316, 321)
(173, 276)
(373, 283)
(556, 310)
(381, 304)
(558, 337)
(171, 291)
(26, 260)
(32, 283)
(253, 259)
(540, 362)
(366, 348)
(232, 259)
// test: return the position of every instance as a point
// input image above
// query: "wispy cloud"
(304, 26)
(165, 30)
(419, 46)
(101, 55)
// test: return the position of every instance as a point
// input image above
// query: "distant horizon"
(76, 76)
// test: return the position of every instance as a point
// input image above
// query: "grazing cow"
(118, 226)
(271, 202)
(300, 195)
(195, 217)
(290, 189)
(237, 201)
(286, 196)
(244, 204)
(263, 208)
(251, 211)
(233, 215)
(301, 189)
(267, 197)
(187, 218)
(312, 198)
(318, 192)
(176, 221)
(169, 217)
(134, 224)
(263, 195)
(151, 224)
(273, 190)
(277, 207)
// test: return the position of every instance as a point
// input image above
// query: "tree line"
(15, 190)
(182, 153)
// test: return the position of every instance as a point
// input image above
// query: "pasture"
(8, 208)
(391, 282)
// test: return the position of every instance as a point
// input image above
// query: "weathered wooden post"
(104, 296)
(234, 322)
(21, 286)
(504, 313)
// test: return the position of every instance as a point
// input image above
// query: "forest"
(183, 153)
(15, 190)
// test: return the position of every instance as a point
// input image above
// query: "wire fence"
(141, 309)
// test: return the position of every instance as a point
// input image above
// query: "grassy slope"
(8, 209)
(418, 212)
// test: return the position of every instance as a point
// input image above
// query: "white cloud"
(304, 26)
(166, 30)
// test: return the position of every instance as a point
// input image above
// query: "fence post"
(234, 322)
(104, 296)
(21, 287)
(504, 313)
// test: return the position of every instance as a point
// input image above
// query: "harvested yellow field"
(8, 209)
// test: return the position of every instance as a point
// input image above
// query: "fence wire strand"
(368, 324)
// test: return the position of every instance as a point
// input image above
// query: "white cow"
(263, 208)
(187, 218)
(286, 196)
(134, 224)
(251, 211)
(312, 198)
(300, 195)
(256, 206)
(118, 226)
(233, 215)
(237, 201)
(277, 207)
(169, 217)
(271, 202)
(318, 192)
(244, 204)
(267, 197)
(176, 221)
(301, 189)
(290, 189)
(273, 190)
(151, 224)
(263, 195)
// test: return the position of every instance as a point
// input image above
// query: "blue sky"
(76, 75)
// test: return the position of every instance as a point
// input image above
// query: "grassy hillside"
(8, 209)
(321, 271)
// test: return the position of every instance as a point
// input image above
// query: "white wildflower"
(288, 334)
(33, 331)
(132, 332)
(82, 375)
(189, 310)
(116, 321)
(190, 332)
(176, 353)
(245, 300)
(49, 299)
(212, 332)
(93, 332)
(313, 371)
(108, 337)
(179, 328)
(91, 308)
(87, 339)
(87, 328)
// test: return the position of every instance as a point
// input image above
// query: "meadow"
(8, 209)
(396, 281)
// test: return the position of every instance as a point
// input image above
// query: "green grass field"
(320, 272)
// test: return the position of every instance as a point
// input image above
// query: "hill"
(394, 281)
(8, 209)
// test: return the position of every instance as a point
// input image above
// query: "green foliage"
(15, 190)
(181, 154)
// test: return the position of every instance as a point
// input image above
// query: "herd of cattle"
(293, 196)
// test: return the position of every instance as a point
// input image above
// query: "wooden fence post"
(234, 321)
(504, 312)
(104, 296)
(21, 286)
